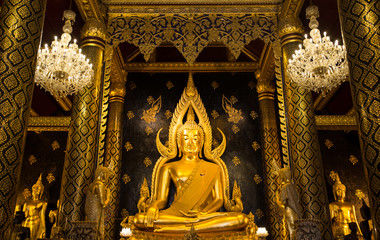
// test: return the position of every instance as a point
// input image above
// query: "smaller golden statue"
(341, 212)
(35, 212)
(288, 200)
(98, 197)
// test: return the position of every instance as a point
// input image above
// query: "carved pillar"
(21, 23)
(304, 151)
(81, 151)
(360, 21)
(113, 152)
(271, 153)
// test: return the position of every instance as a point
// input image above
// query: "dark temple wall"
(242, 156)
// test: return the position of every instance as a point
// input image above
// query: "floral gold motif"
(148, 130)
(32, 159)
(236, 160)
(55, 145)
(124, 213)
(257, 179)
(147, 162)
(235, 128)
(255, 146)
(169, 85)
(234, 114)
(254, 115)
(328, 143)
(168, 114)
(214, 84)
(50, 178)
(353, 160)
(214, 114)
(359, 193)
(126, 178)
(333, 175)
(128, 146)
(26, 193)
(150, 115)
(130, 115)
(259, 213)
(132, 85)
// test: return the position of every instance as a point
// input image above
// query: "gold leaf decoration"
(328, 143)
(333, 175)
(124, 213)
(128, 146)
(353, 160)
(26, 193)
(55, 145)
(255, 146)
(147, 162)
(234, 114)
(235, 128)
(257, 179)
(50, 178)
(149, 115)
(254, 115)
(233, 99)
(214, 84)
(148, 130)
(214, 114)
(236, 160)
(168, 114)
(132, 85)
(251, 84)
(32, 159)
(169, 85)
(126, 178)
(359, 193)
(259, 213)
(130, 115)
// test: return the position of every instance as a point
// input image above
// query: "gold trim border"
(49, 124)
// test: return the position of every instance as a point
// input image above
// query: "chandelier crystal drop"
(62, 69)
(321, 65)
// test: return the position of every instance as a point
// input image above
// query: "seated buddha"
(201, 185)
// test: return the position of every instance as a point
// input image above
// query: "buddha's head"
(190, 136)
(38, 189)
(339, 190)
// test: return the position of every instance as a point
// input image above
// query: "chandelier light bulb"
(318, 65)
(62, 69)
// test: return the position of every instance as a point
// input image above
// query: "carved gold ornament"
(32, 159)
(55, 145)
(147, 162)
(130, 115)
(128, 146)
(126, 179)
(132, 85)
(254, 115)
(235, 129)
(150, 115)
(255, 146)
(168, 114)
(259, 213)
(26, 193)
(236, 160)
(148, 130)
(257, 179)
(353, 160)
(251, 85)
(169, 85)
(234, 114)
(50, 178)
(359, 193)
(328, 143)
(333, 175)
(214, 114)
(214, 84)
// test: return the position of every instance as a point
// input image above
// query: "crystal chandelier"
(62, 69)
(320, 65)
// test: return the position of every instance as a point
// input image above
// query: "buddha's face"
(191, 141)
(340, 193)
(36, 192)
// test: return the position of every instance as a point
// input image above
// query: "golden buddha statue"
(35, 212)
(202, 187)
(341, 212)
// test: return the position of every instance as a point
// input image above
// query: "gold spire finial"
(190, 88)
(39, 183)
(190, 114)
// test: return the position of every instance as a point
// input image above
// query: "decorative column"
(361, 28)
(304, 151)
(21, 24)
(81, 151)
(113, 152)
(271, 155)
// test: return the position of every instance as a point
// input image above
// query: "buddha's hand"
(193, 213)
(151, 215)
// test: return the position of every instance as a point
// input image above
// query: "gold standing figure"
(35, 212)
(342, 213)
(202, 186)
